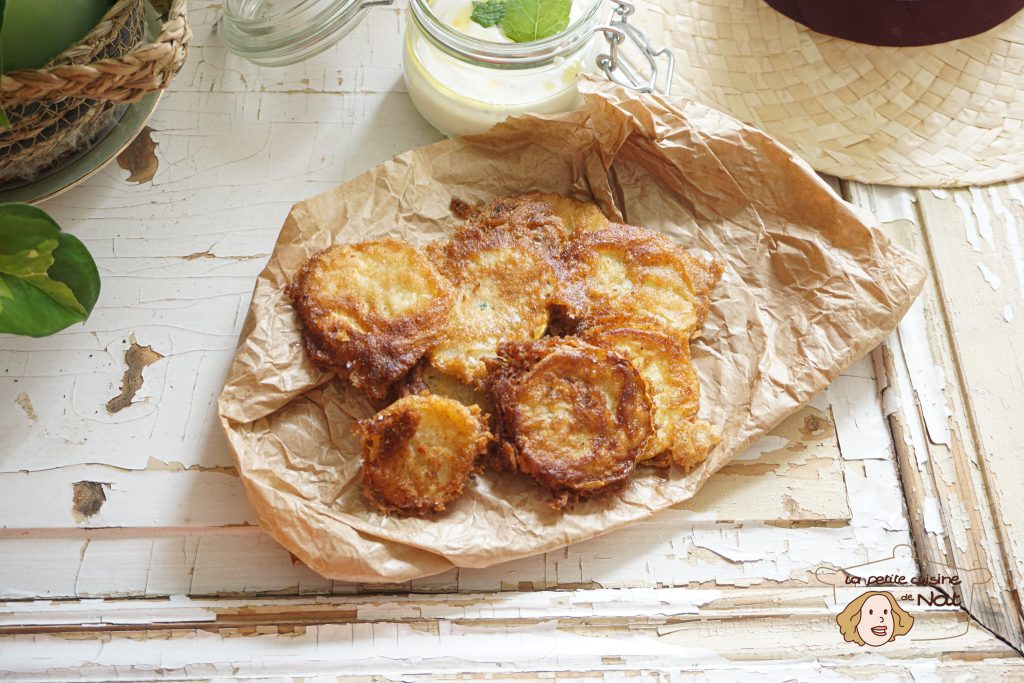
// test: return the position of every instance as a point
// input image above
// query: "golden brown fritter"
(419, 452)
(520, 210)
(504, 284)
(370, 310)
(664, 363)
(551, 220)
(626, 271)
(577, 216)
(531, 220)
(536, 211)
(426, 379)
(575, 417)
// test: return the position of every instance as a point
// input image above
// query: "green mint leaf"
(528, 20)
(488, 13)
(48, 279)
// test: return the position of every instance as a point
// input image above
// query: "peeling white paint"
(766, 444)
(1013, 238)
(932, 516)
(981, 212)
(730, 552)
(991, 278)
(891, 401)
(927, 378)
(896, 203)
(859, 417)
(1008, 313)
(877, 498)
(970, 228)
(914, 436)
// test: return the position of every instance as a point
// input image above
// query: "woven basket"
(62, 107)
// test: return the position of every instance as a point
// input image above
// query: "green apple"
(36, 31)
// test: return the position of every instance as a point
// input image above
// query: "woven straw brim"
(942, 115)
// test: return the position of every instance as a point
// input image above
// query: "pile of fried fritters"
(539, 337)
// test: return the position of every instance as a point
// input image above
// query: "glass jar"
(462, 78)
(464, 84)
(283, 32)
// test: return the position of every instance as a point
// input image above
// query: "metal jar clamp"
(617, 31)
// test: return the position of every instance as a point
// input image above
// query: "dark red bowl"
(899, 22)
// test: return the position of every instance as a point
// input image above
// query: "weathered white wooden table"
(127, 547)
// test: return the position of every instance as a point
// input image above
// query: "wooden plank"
(929, 398)
(674, 553)
(589, 630)
(161, 496)
(974, 238)
(792, 475)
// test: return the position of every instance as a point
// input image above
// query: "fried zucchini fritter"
(663, 362)
(626, 271)
(370, 310)
(419, 452)
(573, 416)
(504, 284)
(577, 216)
(426, 379)
(537, 211)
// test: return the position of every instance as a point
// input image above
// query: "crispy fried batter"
(419, 452)
(520, 210)
(426, 379)
(504, 284)
(537, 211)
(577, 216)
(575, 417)
(531, 220)
(626, 271)
(370, 310)
(663, 362)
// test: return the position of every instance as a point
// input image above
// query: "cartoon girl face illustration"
(874, 619)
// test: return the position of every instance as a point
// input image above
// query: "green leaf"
(488, 13)
(48, 279)
(73, 265)
(527, 20)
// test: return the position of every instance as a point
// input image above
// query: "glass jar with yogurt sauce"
(462, 77)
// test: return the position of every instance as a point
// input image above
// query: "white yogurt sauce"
(461, 99)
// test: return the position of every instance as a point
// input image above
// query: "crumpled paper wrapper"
(810, 285)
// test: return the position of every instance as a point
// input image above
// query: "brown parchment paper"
(810, 285)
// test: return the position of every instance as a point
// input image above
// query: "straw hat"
(938, 115)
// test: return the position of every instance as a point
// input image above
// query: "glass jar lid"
(282, 32)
